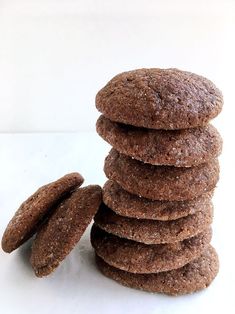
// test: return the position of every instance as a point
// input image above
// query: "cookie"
(63, 230)
(161, 182)
(180, 148)
(160, 99)
(137, 257)
(153, 231)
(31, 213)
(134, 206)
(190, 278)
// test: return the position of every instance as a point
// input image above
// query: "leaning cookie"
(190, 278)
(161, 182)
(32, 212)
(134, 206)
(160, 99)
(153, 231)
(136, 257)
(62, 231)
(180, 148)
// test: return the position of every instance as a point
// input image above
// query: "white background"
(54, 57)
(56, 54)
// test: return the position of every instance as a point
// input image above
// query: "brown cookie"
(180, 148)
(153, 231)
(134, 206)
(161, 182)
(64, 229)
(160, 99)
(137, 257)
(190, 278)
(31, 213)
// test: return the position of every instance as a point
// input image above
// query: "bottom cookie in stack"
(137, 257)
(190, 278)
(165, 256)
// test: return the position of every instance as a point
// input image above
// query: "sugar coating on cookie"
(63, 230)
(32, 212)
(136, 257)
(134, 206)
(160, 99)
(180, 148)
(161, 182)
(150, 231)
(190, 278)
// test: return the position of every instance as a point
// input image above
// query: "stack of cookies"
(153, 229)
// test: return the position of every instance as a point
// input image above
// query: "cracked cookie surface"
(161, 182)
(153, 231)
(179, 148)
(160, 99)
(134, 206)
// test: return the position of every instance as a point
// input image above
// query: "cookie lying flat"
(63, 230)
(30, 214)
(180, 148)
(137, 257)
(190, 278)
(160, 99)
(133, 206)
(153, 231)
(161, 182)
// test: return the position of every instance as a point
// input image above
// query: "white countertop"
(30, 160)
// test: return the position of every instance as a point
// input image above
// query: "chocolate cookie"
(31, 213)
(134, 206)
(192, 277)
(160, 99)
(137, 257)
(161, 182)
(180, 148)
(63, 230)
(153, 231)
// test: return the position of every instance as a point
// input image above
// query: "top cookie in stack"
(162, 168)
(167, 99)
(156, 100)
